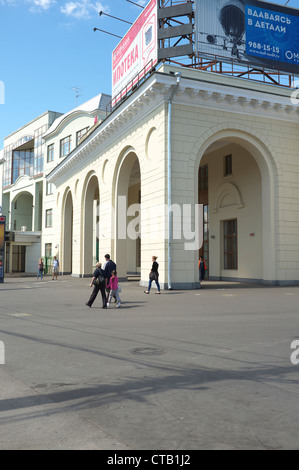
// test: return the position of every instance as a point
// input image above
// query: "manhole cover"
(152, 351)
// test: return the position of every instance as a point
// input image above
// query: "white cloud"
(40, 5)
(81, 9)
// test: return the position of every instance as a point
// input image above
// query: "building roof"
(99, 102)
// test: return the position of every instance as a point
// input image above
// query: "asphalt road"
(204, 369)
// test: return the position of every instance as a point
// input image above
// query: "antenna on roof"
(106, 14)
(76, 89)
(137, 4)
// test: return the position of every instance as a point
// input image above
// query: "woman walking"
(101, 286)
(153, 276)
(40, 269)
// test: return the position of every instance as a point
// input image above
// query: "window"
(7, 174)
(80, 134)
(49, 189)
(203, 178)
(48, 250)
(50, 153)
(49, 218)
(230, 244)
(65, 146)
(228, 165)
(39, 150)
(23, 161)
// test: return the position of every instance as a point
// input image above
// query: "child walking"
(113, 284)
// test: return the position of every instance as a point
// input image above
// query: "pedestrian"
(108, 267)
(40, 269)
(55, 266)
(99, 284)
(114, 290)
(153, 276)
(202, 268)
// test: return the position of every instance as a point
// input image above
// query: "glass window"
(23, 161)
(49, 189)
(80, 134)
(48, 249)
(49, 218)
(203, 177)
(39, 150)
(228, 165)
(230, 244)
(65, 146)
(7, 166)
(50, 153)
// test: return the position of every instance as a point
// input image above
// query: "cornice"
(66, 120)
(218, 95)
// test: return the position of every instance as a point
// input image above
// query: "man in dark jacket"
(109, 266)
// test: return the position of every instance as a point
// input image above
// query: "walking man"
(55, 266)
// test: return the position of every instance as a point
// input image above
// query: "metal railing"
(130, 87)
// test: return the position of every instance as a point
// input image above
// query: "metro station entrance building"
(185, 138)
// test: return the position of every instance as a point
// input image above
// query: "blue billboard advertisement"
(249, 31)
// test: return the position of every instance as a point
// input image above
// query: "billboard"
(137, 49)
(249, 31)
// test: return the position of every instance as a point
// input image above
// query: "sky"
(48, 48)
(49, 53)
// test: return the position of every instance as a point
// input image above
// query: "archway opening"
(231, 186)
(68, 234)
(91, 225)
(22, 212)
(128, 229)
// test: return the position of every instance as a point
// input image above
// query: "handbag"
(99, 281)
(119, 288)
(153, 275)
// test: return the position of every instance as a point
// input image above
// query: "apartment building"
(28, 202)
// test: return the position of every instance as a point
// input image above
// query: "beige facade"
(152, 149)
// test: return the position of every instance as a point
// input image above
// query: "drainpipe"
(173, 92)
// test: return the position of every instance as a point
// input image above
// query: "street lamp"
(97, 29)
(106, 14)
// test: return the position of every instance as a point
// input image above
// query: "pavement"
(208, 369)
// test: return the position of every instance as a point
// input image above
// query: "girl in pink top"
(113, 284)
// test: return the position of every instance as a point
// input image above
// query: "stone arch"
(127, 197)
(22, 211)
(90, 223)
(67, 232)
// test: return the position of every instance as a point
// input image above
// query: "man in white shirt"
(55, 266)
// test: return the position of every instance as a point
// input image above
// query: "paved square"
(204, 369)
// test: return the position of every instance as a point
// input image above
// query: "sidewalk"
(205, 369)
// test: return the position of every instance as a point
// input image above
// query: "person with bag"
(153, 276)
(98, 282)
(40, 269)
